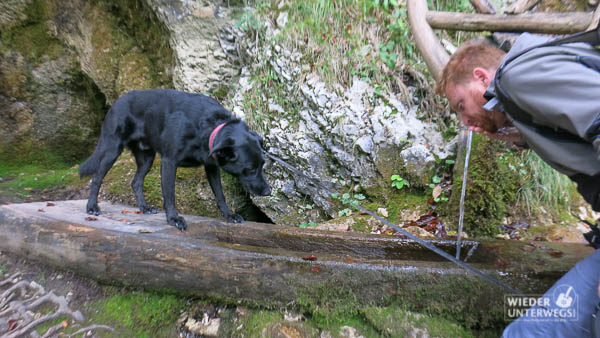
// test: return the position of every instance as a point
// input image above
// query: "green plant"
(348, 199)
(387, 55)
(542, 185)
(398, 182)
(307, 224)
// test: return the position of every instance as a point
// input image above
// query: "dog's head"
(239, 151)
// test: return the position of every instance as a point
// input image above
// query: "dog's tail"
(90, 165)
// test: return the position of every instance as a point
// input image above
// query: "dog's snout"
(266, 191)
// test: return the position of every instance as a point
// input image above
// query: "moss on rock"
(491, 188)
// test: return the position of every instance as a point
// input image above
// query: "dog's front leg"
(214, 178)
(168, 169)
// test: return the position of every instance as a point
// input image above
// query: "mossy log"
(271, 264)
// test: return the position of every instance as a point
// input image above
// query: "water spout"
(462, 195)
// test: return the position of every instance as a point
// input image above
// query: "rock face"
(348, 139)
(45, 100)
(202, 39)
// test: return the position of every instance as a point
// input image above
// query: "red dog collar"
(214, 134)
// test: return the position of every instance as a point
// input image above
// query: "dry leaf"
(64, 324)
(528, 248)
(555, 253)
(12, 324)
(125, 211)
(316, 268)
(437, 191)
(91, 218)
(41, 210)
(146, 231)
(50, 204)
(310, 258)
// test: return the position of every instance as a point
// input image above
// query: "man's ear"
(483, 75)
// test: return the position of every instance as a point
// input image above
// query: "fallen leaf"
(316, 268)
(145, 231)
(437, 191)
(528, 248)
(41, 210)
(125, 211)
(12, 324)
(123, 220)
(91, 218)
(137, 212)
(350, 261)
(555, 253)
(50, 204)
(539, 246)
(64, 324)
(310, 258)
(501, 262)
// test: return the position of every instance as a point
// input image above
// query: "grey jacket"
(558, 91)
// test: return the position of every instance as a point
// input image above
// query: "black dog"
(187, 130)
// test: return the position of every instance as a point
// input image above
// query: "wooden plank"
(546, 23)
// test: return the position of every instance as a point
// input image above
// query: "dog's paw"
(93, 210)
(178, 222)
(148, 209)
(234, 218)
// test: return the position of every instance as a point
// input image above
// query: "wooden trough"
(266, 263)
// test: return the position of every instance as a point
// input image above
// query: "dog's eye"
(249, 172)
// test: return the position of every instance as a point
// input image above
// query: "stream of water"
(462, 195)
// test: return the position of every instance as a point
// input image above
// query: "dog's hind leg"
(111, 151)
(144, 160)
(168, 169)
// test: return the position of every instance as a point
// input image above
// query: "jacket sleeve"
(557, 88)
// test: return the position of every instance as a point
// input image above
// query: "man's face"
(467, 100)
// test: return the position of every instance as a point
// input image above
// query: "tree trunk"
(434, 54)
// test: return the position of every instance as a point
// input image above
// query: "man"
(549, 98)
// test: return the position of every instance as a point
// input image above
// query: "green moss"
(139, 314)
(491, 188)
(396, 322)
(151, 36)
(456, 298)
(42, 328)
(32, 38)
(257, 321)
(135, 72)
(34, 170)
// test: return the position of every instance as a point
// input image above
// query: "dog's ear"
(259, 138)
(224, 152)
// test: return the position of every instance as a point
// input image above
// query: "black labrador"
(187, 130)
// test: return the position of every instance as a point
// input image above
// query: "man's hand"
(511, 136)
